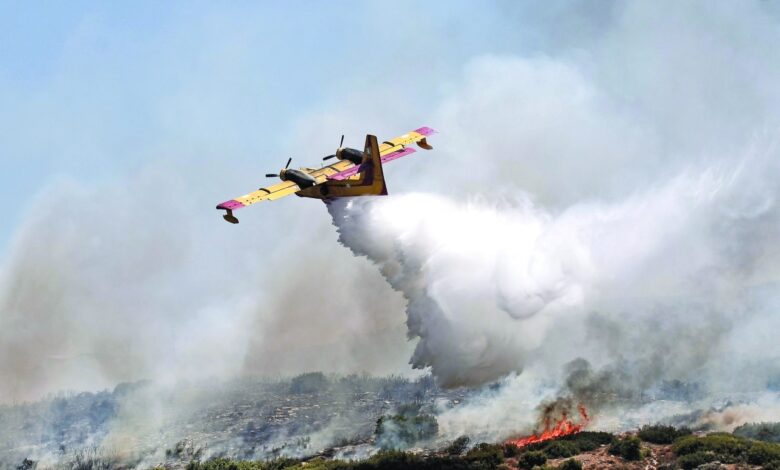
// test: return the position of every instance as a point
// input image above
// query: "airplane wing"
(285, 188)
(390, 150)
(321, 174)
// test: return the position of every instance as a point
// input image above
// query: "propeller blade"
(288, 163)
(342, 141)
(271, 175)
(329, 157)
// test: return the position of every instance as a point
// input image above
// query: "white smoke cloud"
(485, 283)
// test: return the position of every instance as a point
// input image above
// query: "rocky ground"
(246, 419)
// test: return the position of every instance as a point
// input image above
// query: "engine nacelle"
(353, 155)
(298, 177)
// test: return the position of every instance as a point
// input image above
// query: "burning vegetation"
(555, 427)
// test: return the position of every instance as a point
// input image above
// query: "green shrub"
(773, 465)
(695, 459)
(489, 454)
(392, 460)
(228, 464)
(559, 449)
(629, 448)
(660, 434)
(570, 464)
(588, 440)
(511, 450)
(404, 430)
(458, 446)
(761, 453)
(530, 459)
(583, 442)
(768, 432)
(725, 447)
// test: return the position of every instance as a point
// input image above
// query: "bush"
(773, 465)
(403, 430)
(761, 453)
(768, 432)
(660, 434)
(392, 459)
(27, 464)
(695, 459)
(588, 440)
(582, 442)
(228, 464)
(511, 450)
(629, 448)
(458, 446)
(560, 449)
(311, 382)
(530, 459)
(488, 454)
(570, 464)
(725, 447)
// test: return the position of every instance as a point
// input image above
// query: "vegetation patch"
(403, 430)
(660, 434)
(529, 460)
(768, 432)
(725, 448)
(585, 441)
(488, 454)
(570, 464)
(484, 459)
(629, 448)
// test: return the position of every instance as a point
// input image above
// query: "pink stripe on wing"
(397, 154)
(356, 169)
(231, 204)
(342, 175)
(426, 131)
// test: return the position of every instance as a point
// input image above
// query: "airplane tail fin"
(375, 175)
(368, 178)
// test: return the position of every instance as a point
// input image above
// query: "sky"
(93, 91)
(124, 125)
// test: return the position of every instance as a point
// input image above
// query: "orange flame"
(562, 427)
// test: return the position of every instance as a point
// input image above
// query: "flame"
(562, 427)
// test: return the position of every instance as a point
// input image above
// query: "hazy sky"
(91, 91)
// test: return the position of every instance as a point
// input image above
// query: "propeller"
(334, 155)
(276, 175)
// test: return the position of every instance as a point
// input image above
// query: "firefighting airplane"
(355, 173)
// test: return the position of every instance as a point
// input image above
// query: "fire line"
(562, 427)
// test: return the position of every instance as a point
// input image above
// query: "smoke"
(83, 305)
(485, 283)
(650, 288)
(603, 225)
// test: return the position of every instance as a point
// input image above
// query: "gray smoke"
(611, 203)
